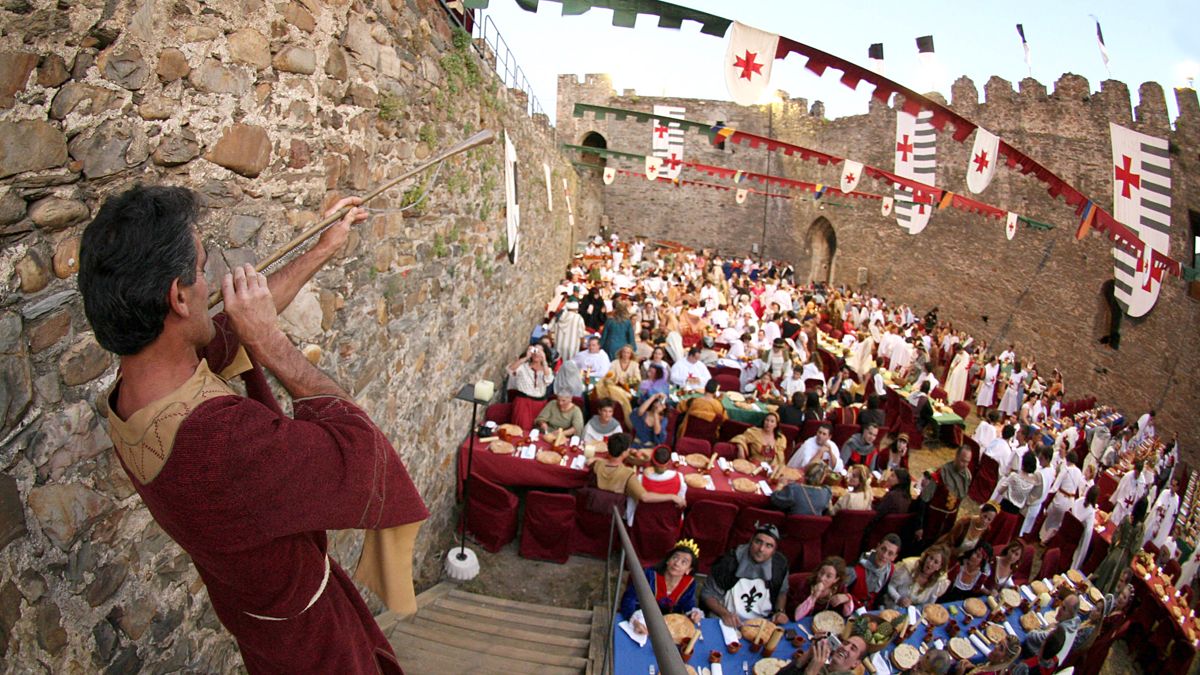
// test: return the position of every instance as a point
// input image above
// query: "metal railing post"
(670, 662)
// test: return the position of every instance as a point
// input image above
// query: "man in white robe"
(593, 359)
(1067, 488)
(568, 329)
(1046, 473)
(690, 373)
(818, 447)
(1161, 517)
(1145, 428)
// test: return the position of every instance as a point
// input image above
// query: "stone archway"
(593, 139)
(822, 244)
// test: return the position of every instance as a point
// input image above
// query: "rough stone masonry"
(1042, 291)
(271, 110)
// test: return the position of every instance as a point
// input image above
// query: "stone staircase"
(458, 632)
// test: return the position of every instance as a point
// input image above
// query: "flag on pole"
(1086, 220)
(1142, 202)
(1100, 41)
(982, 164)
(925, 44)
(819, 191)
(875, 56)
(1025, 45)
(748, 62)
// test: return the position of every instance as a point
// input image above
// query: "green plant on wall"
(460, 65)
(428, 134)
(440, 249)
(391, 108)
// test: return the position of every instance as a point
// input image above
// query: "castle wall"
(1041, 291)
(271, 111)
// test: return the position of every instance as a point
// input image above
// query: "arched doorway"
(822, 243)
(594, 140)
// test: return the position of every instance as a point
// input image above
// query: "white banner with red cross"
(666, 140)
(1141, 201)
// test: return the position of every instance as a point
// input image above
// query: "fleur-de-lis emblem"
(750, 598)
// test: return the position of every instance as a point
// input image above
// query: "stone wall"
(1041, 291)
(271, 111)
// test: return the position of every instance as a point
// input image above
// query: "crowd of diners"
(637, 330)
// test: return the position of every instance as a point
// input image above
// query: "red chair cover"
(845, 535)
(1025, 568)
(725, 370)
(984, 481)
(500, 413)
(655, 530)
(893, 523)
(731, 428)
(1051, 560)
(698, 428)
(795, 594)
(524, 411)
(1066, 540)
(1003, 529)
(809, 430)
(726, 450)
(590, 537)
(843, 432)
(672, 423)
(688, 445)
(547, 526)
(491, 514)
(791, 432)
(619, 416)
(728, 382)
(708, 523)
(938, 394)
(961, 408)
(802, 536)
(743, 526)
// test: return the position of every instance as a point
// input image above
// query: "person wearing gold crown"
(673, 585)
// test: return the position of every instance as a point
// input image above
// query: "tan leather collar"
(145, 440)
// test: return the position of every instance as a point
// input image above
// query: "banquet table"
(514, 472)
(628, 657)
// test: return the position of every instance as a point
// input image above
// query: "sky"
(1152, 40)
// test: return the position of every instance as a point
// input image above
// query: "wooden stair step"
(420, 657)
(551, 640)
(524, 622)
(481, 644)
(576, 615)
(599, 619)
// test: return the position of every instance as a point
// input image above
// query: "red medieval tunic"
(248, 492)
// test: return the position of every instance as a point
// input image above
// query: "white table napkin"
(765, 488)
(729, 635)
(639, 639)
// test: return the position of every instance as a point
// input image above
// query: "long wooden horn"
(482, 138)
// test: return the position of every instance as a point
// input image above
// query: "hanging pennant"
(916, 158)
(886, 209)
(1010, 225)
(610, 174)
(666, 140)
(549, 192)
(748, 61)
(653, 167)
(851, 174)
(512, 211)
(1141, 200)
(741, 196)
(982, 165)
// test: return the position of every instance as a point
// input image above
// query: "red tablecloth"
(510, 471)
(1168, 637)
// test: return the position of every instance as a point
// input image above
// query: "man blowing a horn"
(246, 490)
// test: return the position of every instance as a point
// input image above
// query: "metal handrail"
(670, 662)
(484, 30)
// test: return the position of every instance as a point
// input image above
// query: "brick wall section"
(270, 111)
(1040, 291)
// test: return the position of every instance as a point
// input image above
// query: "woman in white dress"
(956, 381)
(1014, 393)
(986, 396)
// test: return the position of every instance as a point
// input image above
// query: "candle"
(484, 389)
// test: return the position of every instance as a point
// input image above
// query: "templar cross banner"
(982, 165)
(1010, 225)
(610, 174)
(851, 174)
(916, 158)
(666, 140)
(512, 212)
(654, 168)
(748, 61)
(1142, 201)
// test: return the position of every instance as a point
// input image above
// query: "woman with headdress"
(673, 585)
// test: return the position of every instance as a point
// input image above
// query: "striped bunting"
(1142, 201)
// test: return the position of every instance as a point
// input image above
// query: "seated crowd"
(641, 347)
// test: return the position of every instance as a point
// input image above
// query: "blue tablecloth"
(629, 658)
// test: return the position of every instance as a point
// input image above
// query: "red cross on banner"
(905, 148)
(981, 161)
(1127, 177)
(748, 65)
(672, 162)
(661, 131)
